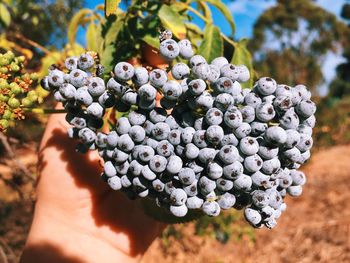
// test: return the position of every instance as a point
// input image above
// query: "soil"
(315, 227)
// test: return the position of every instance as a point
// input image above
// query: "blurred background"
(299, 41)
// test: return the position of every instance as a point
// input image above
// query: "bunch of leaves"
(333, 122)
(291, 40)
(16, 91)
(132, 34)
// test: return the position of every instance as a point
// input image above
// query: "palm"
(70, 186)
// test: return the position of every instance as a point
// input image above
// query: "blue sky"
(245, 13)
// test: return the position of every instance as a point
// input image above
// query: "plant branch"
(43, 111)
(32, 43)
(12, 155)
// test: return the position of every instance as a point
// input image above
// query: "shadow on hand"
(46, 252)
(109, 208)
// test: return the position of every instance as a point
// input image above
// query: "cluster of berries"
(15, 88)
(207, 144)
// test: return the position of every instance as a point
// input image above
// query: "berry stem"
(43, 111)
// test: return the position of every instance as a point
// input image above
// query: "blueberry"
(124, 71)
(186, 50)
(201, 71)
(229, 139)
(174, 164)
(147, 92)
(169, 49)
(224, 185)
(233, 170)
(186, 176)
(158, 164)
(180, 71)
(130, 97)
(197, 60)
(248, 113)
(243, 130)
(160, 131)
(204, 101)
(289, 120)
(114, 182)
(96, 86)
(71, 63)
(125, 181)
(253, 163)
(295, 190)
(260, 180)
(116, 87)
(214, 116)
(249, 145)
(276, 135)
(223, 101)
(260, 198)
(197, 86)
(135, 168)
(147, 173)
(87, 135)
(243, 183)
(228, 154)
(303, 91)
(109, 169)
(305, 143)
(125, 143)
(122, 168)
(67, 91)
(192, 189)
(252, 99)
(123, 125)
(298, 177)
(230, 71)
(157, 115)
(85, 61)
(258, 128)
(214, 134)
(95, 110)
(158, 77)
(106, 100)
(306, 108)
(172, 90)
(199, 139)
(140, 76)
(146, 153)
(158, 185)
(233, 117)
(265, 112)
(191, 151)
(174, 137)
(164, 148)
(219, 62)
(179, 211)
(252, 216)
(214, 73)
(194, 202)
(137, 133)
(271, 166)
(211, 208)
(77, 78)
(243, 73)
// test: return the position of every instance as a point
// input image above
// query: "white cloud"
(249, 7)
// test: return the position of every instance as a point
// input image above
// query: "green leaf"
(171, 20)
(225, 11)
(93, 37)
(152, 41)
(75, 22)
(107, 57)
(111, 7)
(113, 32)
(212, 44)
(242, 56)
(5, 17)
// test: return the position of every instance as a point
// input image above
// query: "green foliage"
(242, 56)
(44, 22)
(171, 20)
(212, 46)
(5, 16)
(292, 30)
(111, 7)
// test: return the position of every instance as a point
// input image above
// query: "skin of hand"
(78, 218)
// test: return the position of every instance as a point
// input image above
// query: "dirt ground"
(315, 227)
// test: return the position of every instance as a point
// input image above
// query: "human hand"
(78, 218)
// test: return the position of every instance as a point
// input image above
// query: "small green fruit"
(14, 103)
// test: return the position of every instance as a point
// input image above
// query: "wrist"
(53, 240)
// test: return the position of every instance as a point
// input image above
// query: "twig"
(3, 256)
(43, 111)
(13, 185)
(8, 249)
(32, 43)
(12, 155)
